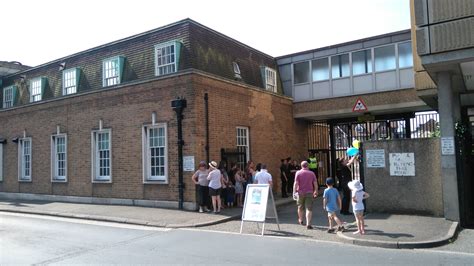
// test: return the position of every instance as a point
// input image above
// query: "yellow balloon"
(356, 144)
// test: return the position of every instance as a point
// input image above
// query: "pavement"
(382, 230)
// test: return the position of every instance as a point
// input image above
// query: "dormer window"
(70, 80)
(269, 79)
(36, 89)
(112, 69)
(9, 96)
(236, 67)
(167, 57)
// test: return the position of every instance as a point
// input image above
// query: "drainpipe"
(178, 106)
(206, 106)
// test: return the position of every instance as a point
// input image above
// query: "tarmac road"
(32, 239)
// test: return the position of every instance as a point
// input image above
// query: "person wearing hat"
(358, 195)
(202, 184)
(215, 185)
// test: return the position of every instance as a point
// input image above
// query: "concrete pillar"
(448, 162)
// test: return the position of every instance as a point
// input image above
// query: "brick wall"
(273, 134)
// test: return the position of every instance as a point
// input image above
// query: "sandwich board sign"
(359, 106)
(257, 200)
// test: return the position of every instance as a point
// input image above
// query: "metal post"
(206, 106)
(178, 106)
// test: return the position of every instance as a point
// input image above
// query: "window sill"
(59, 180)
(98, 181)
(25, 180)
(156, 182)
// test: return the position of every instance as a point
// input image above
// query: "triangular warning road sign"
(359, 106)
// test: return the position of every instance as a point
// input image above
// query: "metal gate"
(331, 139)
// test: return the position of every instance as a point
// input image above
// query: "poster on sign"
(402, 164)
(255, 206)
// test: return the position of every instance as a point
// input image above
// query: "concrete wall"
(419, 194)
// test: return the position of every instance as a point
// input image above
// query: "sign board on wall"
(188, 163)
(255, 207)
(447, 146)
(375, 158)
(402, 164)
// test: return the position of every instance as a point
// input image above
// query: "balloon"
(356, 144)
(352, 151)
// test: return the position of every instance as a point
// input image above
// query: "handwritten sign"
(447, 146)
(402, 164)
(188, 163)
(375, 158)
(255, 206)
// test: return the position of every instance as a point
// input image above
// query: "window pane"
(340, 66)
(301, 72)
(405, 56)
(361, 62)
(320, 69)
(385, 58)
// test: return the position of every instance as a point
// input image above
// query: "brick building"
(99, 124)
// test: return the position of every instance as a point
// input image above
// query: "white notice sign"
(255, 206)
(188, 163)
(447, 146)
(402, 164)
(375, 158)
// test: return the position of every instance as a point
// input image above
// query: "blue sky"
(35, 32)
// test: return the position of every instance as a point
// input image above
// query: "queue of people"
(218, 188)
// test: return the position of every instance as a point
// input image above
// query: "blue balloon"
(352, 151)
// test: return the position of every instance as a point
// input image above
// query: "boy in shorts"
(332, 203)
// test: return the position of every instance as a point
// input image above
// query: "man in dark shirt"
(284, 174)
(345, 178)
(293, 167)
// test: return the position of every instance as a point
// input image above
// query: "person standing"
(293, 167)
(202, 184)
(345, 178)
(215, 186)
(263, 176)
(239, 188)
(313, 165)
(284, 178)
(306, 187)
(358, 195)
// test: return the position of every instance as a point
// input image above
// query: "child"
(357, 205)
(332, 203)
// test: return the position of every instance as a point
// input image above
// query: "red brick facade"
(274, 133)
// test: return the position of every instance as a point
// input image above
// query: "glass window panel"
(320, 69)
(405, 56)
(340, 66)
(301, 72)
(385, 58)
(361, 62)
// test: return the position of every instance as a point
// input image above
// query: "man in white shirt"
(264, 177)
